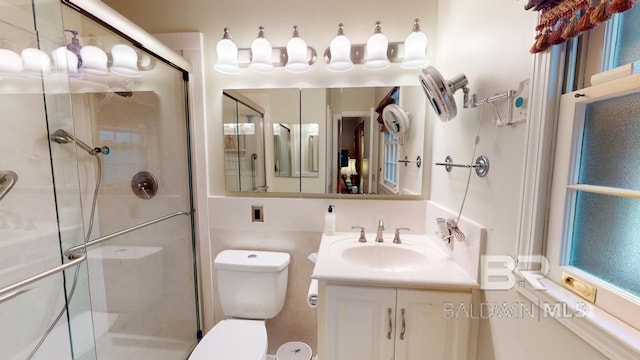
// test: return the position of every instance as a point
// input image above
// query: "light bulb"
(11, 64)
(261, 52)
(125, 61)
(376, 50)
(297, 53)
(415, 47)
(227, 55)
(36, 62)
(340, 49)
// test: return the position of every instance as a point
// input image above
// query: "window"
(390, 165)
(129, 152)
(593, 177)
(605, 213)
(595, 204)
(623, 40)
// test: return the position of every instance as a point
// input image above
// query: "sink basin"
(418, 262)
(384, 257)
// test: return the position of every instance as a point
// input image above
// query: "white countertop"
(438, 271)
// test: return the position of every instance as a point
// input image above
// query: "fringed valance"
(561, 20)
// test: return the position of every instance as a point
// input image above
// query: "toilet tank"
(251, 284)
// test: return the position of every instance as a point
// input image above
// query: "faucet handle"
(362, 237)
(380, 225)
(396, 237)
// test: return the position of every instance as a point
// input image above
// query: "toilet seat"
(233, 339)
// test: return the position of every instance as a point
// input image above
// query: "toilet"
(252, 286)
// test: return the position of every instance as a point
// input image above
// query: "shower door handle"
(14, 289)
(8, 178)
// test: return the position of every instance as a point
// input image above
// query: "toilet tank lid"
(250, 260)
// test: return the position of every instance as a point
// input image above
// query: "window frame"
(390, 141)
(603, 331)
(572, 117)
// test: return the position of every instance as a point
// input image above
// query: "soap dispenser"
(330, 221)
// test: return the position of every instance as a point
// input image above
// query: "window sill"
(389, 189)
(607, 334)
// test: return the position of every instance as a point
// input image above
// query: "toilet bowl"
(251, 288)
(233, 339)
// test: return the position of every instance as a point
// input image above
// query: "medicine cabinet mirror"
(323, 141)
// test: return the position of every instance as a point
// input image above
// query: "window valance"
(561, 20)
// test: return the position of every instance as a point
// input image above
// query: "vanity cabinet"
(392, 324)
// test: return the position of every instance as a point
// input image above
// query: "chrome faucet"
(379, 233)
(396, 238)
(362, 238)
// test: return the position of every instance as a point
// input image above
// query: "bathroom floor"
(126, 346)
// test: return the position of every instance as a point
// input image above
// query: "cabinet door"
(423, 329)
(360, 323)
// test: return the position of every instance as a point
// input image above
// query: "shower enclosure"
(97, 244)
(244, 151)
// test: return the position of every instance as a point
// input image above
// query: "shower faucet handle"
(362, 238)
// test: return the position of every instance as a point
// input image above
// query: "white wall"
(489, 42)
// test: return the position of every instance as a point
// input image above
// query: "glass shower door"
(141, 251)
(244, 146)
(40, 210)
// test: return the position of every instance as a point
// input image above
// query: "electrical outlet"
(257, 213)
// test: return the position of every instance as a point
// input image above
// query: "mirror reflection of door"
(244, 145)
(356, 134)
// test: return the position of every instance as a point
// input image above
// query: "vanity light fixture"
(262, 57)
(340, 49)
(376, 50)
(415, 47)
(297, 53)
(261, 51)
(227, 55)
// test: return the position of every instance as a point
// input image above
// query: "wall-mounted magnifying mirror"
(440, 91)
(395, 119)
(324, 140)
